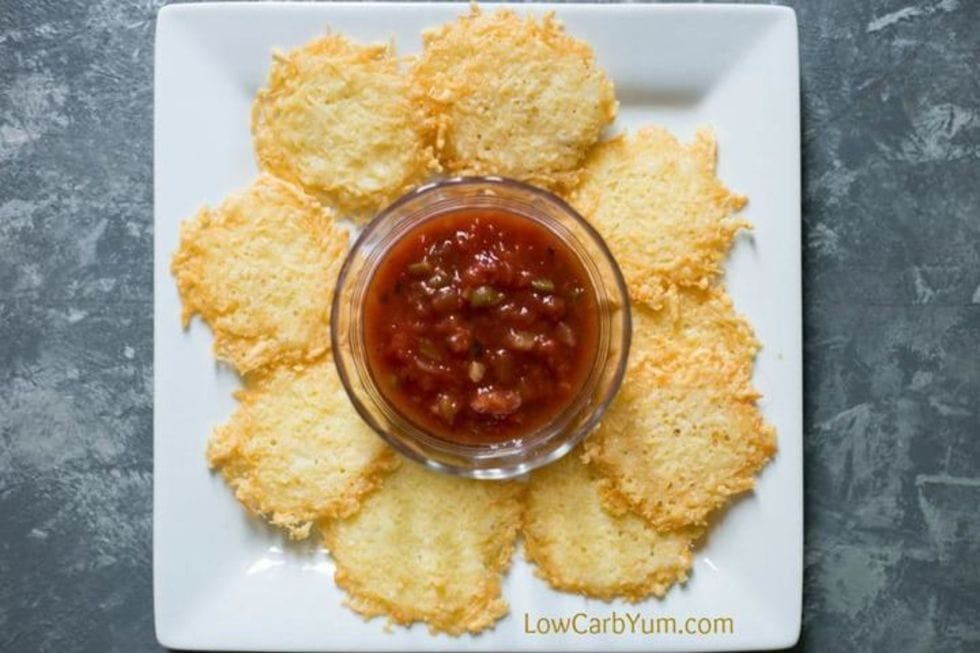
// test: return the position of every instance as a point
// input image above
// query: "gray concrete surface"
(891, 134)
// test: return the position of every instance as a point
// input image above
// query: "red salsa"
(481, 325)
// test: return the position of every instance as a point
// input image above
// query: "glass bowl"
(535, 448)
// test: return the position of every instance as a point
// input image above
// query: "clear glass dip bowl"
(535, 448)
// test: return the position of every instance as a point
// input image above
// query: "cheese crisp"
(695, 330)
(260, 269)
(428, 547)
(296, 451)
(661, 209)
(677, 446)
(512, 96)
(581, 544)
(335, 118)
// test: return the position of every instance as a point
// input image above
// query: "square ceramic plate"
(223, 580)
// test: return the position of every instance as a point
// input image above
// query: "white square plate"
(222, 580)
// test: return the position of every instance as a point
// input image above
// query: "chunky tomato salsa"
(480, 325)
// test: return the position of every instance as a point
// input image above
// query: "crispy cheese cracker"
(260, 269)
(512, 96)
(336, 118)
(296, 451)
(695, 329)
(658, 204)
(428, 547)
(582, 544)
(677, 446)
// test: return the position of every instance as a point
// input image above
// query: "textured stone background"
(891, 133)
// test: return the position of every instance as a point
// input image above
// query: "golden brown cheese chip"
(337, 119)
(678, 446)
(696, 329)
(428, 547)
(582, 545)
(660, 207)
(296, 451)
(260, 269)
(512, 96)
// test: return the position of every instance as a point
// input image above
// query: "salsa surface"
(480, 325)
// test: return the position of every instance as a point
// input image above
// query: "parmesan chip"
(512, 96)
(260, 269)
(661, 209)
(428, 547)
(296, 451)
(677, 446)
(336, 118)
(695, 330)
(582, 544)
